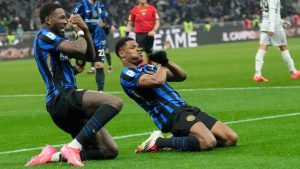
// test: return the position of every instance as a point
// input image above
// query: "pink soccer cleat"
(72, 155)
(296, 75)
(43, 158)
(149, 144)
(260, 78)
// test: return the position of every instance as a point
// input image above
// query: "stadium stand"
(172, 12)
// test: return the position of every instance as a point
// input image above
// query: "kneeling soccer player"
(192, 129)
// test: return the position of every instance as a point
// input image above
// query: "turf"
(220, 79)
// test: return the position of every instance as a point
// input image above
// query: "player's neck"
(143, 4)
(129, 65)
(93, 2)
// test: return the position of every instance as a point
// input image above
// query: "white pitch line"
(147, 133)
(180, 90)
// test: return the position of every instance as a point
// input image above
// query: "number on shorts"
(101, 52)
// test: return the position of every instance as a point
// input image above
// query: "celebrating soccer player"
(80, 113)
(192, 129)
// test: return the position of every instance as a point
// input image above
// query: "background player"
(192, 129)
(80, 113)
(145, 20)
(272, 33)
(92, 12)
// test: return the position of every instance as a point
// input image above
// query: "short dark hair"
(47, 9)
(121, 43)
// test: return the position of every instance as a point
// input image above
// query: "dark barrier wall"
(168, 37)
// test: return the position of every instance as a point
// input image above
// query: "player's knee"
(114, 152)
(108, 153)
(117, 103)
(231, 139)
(98, 65)
(208, 144)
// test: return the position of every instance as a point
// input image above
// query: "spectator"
(20, 32)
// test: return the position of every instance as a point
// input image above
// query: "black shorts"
(185, 117)
(100, 54)
(66, 112)
(145, 41)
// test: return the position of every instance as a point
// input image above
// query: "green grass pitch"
(219, 82)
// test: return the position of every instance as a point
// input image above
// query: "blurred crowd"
(20, 16)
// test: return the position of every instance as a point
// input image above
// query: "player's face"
(132, 53)
(58, 21)
(143, 2)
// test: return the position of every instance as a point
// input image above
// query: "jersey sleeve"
(79, 9)
(49, 41)
(131, 16)
(103, 12)
(130, 78)
(155, 14)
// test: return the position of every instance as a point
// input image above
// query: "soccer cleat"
(110, 69)
(72, 155)
(43, 158)
(149, 144)
(260, 78)
(296, 75)
(91, 70)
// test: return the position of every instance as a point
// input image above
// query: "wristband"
(80, 33)
(127, 33)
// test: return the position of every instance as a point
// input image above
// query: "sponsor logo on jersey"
(51, 35)
(130, 73)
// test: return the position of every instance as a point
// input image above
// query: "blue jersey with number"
(54, 66)
(91, 14)
(159, 102)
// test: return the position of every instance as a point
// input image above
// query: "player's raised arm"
(155, 80)
(81, 47)
(174, 72)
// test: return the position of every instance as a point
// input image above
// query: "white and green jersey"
(271, 18)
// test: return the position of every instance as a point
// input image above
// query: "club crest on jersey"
(63, 57)
(190, 118)
(95, 14)
(51, 35)
(130, 73)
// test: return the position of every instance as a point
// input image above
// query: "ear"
(47, 20)
(122, 54)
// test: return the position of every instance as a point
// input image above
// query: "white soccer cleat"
(149, 144)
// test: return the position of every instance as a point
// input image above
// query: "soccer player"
(145, 20)
(192, 129)
(80, 113)
(272, 33)
(93, 14)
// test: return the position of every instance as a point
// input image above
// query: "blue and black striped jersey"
(54, 66)
(91, 14)
(159, 102)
